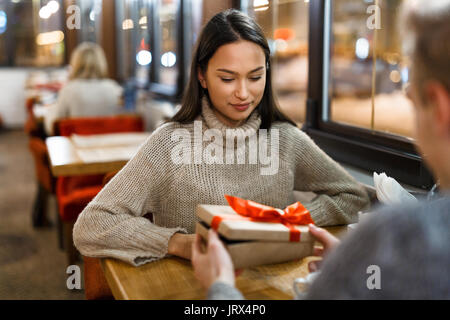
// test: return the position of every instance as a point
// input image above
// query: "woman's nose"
(241, 91)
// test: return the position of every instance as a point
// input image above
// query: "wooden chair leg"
(39, 214)
(60, 231)
(72, 252)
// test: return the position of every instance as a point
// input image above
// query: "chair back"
(42, 164)
(95, 284)
(99, 125)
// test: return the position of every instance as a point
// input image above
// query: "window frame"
(169, 92)
(120, 45)
(369, 150)
(10, 43)
(243, 5)
(83, 34)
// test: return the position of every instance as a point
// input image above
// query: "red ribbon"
(295, 214)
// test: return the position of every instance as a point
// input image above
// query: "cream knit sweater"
(85, 98)
(112, 225)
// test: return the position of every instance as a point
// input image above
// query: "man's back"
(399, 253)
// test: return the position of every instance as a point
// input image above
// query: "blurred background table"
(93, 154)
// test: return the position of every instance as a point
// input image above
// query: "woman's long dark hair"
(227, 27)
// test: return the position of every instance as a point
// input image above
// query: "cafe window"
(175, 28)
(167, 43)
(165, 69)
(285, 25)
(127, 24)
(90, 16)
(142, 51)
(357, 110)
(3, 28)
(368, 72)
(31, 33)
(155, 43)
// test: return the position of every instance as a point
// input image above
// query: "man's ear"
(439, 100)
(201, 78)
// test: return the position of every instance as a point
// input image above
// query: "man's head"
(426, 24)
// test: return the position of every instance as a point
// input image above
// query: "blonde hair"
(88, 61)
(427, 28)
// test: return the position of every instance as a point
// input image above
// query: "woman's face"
(235, 79)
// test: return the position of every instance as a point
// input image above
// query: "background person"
(230, 91)
(410, 245)
(89, 92)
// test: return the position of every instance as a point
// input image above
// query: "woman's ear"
(439, 98)
(201, 78)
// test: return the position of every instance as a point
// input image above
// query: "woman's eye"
(226, 79)
(255, 78)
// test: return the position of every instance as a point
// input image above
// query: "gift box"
(255, 234)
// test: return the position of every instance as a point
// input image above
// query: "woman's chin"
(241, 117)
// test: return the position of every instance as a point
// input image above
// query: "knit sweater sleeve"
(112, 224)
(223, 291)
(339, 195)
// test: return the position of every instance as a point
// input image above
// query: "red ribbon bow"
(294, 214)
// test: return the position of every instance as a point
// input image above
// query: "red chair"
(96, 286)
(51, 86)
(31, 126)
(45, 181)
(74, 193)
(99, 125)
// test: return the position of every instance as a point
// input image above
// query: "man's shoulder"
(408, 243)
(420, 211)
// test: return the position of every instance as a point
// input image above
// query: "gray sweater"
(85, 98)
(113, 223)
(409, 247)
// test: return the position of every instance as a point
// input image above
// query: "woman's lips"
(241, 106)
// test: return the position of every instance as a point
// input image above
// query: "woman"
(399, 252)
(229, 95)
(89, 92)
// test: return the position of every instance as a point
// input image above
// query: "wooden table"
(66, 160)
(173, 278)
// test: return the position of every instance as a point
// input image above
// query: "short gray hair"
(411, 246)
(427, 29)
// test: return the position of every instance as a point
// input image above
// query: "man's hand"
(328, 241)
(213, 265)
(181, 245)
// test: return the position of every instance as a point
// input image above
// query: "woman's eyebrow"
(232, 72)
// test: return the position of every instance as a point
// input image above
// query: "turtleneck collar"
(212, 122)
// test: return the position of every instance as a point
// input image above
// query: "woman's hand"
(213, 265)
(181, 245)
(328, 241)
